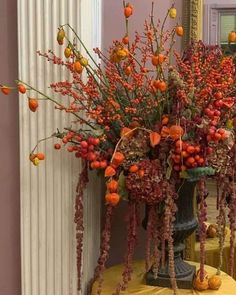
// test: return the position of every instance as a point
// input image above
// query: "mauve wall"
(9, 156)
(114, 28)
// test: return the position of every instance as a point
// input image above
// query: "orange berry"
(200, 161)
(57, 146)
(217, 136)
(156, 83)
(128, 11)
(179, 31)
(190, 149)
(5, 90)
(33, 104)
(197, 149)
(128, 70)
(133, 168)
(78, 67)
(95, 165)
(184, 154)
(161, 58)
(190, 161)
(155, 60)
(162, 86)
(103, 164)
(21, 88)
(40, 156)
(125, 40)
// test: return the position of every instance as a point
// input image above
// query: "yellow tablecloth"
(137, 284)
(212, 253)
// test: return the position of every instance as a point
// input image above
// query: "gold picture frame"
(192, 20)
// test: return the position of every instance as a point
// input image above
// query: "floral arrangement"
(148, 119)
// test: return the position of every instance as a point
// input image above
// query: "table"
(212, 253)
(137, 285)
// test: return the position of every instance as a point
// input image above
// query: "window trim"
(211, 21)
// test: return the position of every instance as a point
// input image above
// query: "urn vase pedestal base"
(185, 225)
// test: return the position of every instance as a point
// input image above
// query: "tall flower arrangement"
(148, 124)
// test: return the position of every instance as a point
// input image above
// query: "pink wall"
(9, 156)
(9, 148)
(113, 19)
(114, 28)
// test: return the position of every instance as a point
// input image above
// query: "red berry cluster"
(215, 135)
(84, 148)
(187, 156)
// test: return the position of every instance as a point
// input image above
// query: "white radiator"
(48, 253)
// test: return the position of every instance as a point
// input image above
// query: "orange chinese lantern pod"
(77, 67)
(176, 132)
(232, 37)
(162, 86)
(155, 60)
(5, 90)
(112, 199)
(110, 171)
(112, 186)
(155, 138)
(179, 31)
(33, 104)
(128, 10)
(60, 36)
(125, 132)
(40, 156)
(214, 282)
(118, 159)
(199, 284)
(133, 168)
(21, 88)
(67, 52)
(173, 12)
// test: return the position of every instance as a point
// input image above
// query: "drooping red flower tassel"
(232, 219)
(169, 219)
(78, 219)
(104, 249)
(202, 218)
(221, 219)
(132, 223)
